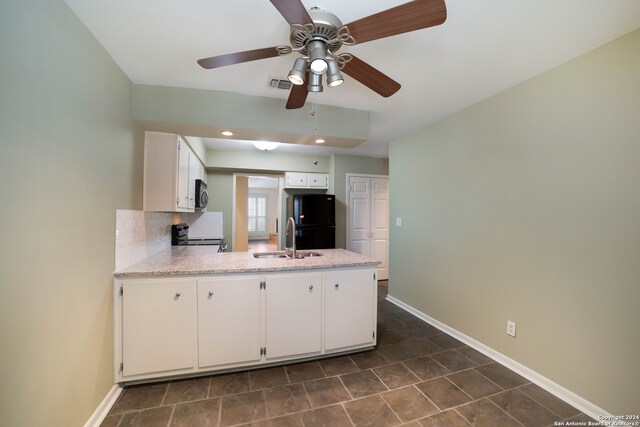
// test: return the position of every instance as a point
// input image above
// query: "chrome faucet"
(293, 237)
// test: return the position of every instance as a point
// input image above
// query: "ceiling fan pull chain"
(314, 114)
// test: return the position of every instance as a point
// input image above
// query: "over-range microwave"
(202, 196)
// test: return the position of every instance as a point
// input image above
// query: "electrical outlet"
(398, 222)
(511, 328)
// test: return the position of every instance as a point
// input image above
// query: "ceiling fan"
(318, 34)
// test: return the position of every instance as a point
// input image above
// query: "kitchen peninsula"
(189, 310)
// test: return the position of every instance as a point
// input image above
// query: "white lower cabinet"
(229, 318)
(159, 319)
(182, 326)
(349, 320)
(293, 315)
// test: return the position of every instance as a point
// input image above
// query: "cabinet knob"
(210, 294)
(337, 285)
(177, 294)
(311, 288)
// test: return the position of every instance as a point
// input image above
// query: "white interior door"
(359, 215)
(368, 219)
(380, 225)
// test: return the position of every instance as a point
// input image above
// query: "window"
(257, 210)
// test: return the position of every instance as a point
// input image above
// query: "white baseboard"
(104, 407)
(556, 389)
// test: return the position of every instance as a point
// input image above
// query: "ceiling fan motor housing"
(325, 29)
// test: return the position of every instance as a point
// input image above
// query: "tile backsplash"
(140, 234)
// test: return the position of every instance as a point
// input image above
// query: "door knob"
(210, 294)
(311, 288)
(177, 294)
(337, 285)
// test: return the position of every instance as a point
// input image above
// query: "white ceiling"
(484, 47)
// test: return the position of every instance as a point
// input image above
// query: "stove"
(180, 237)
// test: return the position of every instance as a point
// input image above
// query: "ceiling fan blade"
(293, 11)
(298, 95)
(371, 77)
(411, 16)
(238, 57)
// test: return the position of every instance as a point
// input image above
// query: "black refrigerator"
(315, 217)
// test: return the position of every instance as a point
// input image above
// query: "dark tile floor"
(417, 376)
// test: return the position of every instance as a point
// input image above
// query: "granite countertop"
(202, 260)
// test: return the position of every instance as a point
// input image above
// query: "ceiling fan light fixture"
(334, 77)
(317, 57)
(296, 75)
(315, 82)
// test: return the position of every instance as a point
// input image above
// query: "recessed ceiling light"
(227, 133)
(320, 141)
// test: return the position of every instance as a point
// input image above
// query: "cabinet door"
(318, 180)
(349, 308)
(295, 179)
(184, 157)
(229, 319)
(293, 314)
(158, 326)
(195, 172)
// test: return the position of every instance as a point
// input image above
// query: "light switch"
(398, 222)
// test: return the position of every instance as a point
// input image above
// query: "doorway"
(257, 201)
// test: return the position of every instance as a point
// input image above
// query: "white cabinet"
(169, 326)
(293, 314)
(306, 180)
(170, 171)
(318, 180)
(229, 319)
(349, 320)
(160, 332)
(295, 180)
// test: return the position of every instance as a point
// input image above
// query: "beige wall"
(527, 207)
(69, 158)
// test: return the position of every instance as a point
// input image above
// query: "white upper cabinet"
(170, 171)
(306, 180)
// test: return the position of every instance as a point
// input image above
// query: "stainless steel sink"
(308, 254)
(280, 254)
(283, 254)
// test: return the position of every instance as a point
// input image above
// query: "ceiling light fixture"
(296, 75)
(317, 57)
(315, 82)
(265, 145)
(334, 77)
(227, 133)
(320, 141)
